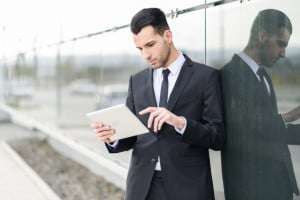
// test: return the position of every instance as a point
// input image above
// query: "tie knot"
(261, 72)
(166, 73)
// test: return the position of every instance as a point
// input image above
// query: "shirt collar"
(249, 61)
(175, 66)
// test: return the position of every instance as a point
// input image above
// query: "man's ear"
(263, 36)
(168, 36)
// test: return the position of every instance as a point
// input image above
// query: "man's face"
(155, 48)
(273, 47)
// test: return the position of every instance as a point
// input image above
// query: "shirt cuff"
(114, 144)
(181, 131)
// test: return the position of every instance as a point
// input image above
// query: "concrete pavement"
(18, 180)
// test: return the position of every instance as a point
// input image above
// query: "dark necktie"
(261, 72)
(163, 101)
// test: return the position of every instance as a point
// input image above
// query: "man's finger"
(103, 139)
(157, 121)
(96, 124)
(108, 137)
(151, 118)
(105, 128)
(105, 134)
(147, 110)
(113, 131)
(161, 122)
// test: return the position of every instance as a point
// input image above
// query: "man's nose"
(146, 55)
(282, 53)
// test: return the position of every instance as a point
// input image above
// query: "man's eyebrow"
(149, 42)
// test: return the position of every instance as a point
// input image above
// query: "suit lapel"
(248, 75)
(181, 82)
(184, 76)
(150, 96)
(251, 78)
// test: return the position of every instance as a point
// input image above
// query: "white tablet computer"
(121, 119)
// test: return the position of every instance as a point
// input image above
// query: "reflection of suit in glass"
(256, 160)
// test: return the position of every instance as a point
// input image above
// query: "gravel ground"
(68, 179)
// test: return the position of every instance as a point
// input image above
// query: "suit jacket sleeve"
(291, 131)
(209, 131)
(293, 134)
(127, 143)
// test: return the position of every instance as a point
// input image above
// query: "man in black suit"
(256, 160)
(179, 100)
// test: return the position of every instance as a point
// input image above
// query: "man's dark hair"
(149, 17)
(270, 21)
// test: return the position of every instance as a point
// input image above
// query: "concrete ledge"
(98, 164)
(4, 117)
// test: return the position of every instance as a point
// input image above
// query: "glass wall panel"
(260, 85)
(61, 83)
(189, 34)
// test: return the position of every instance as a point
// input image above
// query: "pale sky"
(21, 22)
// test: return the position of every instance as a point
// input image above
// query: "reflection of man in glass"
(256, 160)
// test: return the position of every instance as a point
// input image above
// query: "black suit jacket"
(184, 158)
(256, 160)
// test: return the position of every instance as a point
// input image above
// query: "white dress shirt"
(174, 68)
(254, 67)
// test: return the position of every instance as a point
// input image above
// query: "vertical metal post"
(222, 35)
(3, 68)
(58, 79)
(205, 31)
(58, 85)
(35, 66)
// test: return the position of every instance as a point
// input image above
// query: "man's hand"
(292, 115)
(158, 116)
(104, 132)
